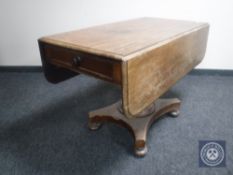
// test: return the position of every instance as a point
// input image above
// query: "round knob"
(77, 60)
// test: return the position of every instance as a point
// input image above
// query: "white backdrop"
(23, 22)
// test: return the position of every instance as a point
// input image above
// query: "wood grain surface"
(150, 74)
(152, 55)
(120, 39)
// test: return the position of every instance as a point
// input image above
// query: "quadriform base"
(139, 125)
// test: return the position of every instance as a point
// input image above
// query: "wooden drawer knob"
(77, 60)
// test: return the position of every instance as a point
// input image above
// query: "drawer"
(82, 62)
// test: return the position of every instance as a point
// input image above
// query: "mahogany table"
(145, 57)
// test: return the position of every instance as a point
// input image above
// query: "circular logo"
(212, 154)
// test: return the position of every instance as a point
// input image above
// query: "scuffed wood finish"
(151, 73)
(120, 39)
(59, 59)
(138, 126)
(145, 56)
(53, 73)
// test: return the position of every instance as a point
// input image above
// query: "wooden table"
(144, 56)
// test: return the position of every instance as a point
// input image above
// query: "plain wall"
(23, 22)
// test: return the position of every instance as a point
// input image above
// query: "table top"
(121, 40)
(149, 55)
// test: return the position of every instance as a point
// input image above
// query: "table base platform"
(138, 125)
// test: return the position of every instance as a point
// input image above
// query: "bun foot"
(141, 152)
(94, 125)
(174, 113)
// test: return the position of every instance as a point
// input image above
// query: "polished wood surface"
(144, 56)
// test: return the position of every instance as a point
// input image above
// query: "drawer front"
(82, 62)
